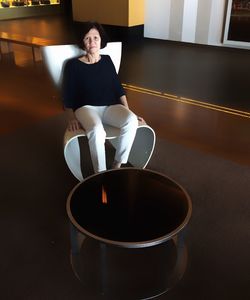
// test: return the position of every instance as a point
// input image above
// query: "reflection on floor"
(216, 75)
(162, 74)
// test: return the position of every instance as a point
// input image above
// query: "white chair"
(144, 143)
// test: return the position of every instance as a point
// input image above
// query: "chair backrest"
(55, 57)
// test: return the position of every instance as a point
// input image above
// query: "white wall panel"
(203, 21)
(216, 22)
(157, 18)
(176, 20)
(189, 20)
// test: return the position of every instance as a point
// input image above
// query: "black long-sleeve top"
(91, 84)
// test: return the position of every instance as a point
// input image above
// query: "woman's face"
(92, 41)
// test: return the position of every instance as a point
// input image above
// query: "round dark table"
(127, 233)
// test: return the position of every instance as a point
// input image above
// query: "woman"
(93, 95)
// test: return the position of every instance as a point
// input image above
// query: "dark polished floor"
(205, 147)
(218, 75)
(202, 93)
(209, 74)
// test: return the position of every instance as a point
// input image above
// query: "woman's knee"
(128, 117)
(132, 120)
(96, 132)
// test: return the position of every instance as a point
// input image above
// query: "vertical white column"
(157, 18)
(203, 20)
(176, 17)
(215, 32)
(189, 20)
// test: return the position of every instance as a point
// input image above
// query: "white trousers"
(92, 118)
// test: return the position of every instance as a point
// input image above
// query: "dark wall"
(67, 7)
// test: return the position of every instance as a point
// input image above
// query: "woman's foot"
(116, 165)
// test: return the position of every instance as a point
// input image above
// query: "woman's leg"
(90, 118)
(121, 117)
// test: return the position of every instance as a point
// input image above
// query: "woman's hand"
(141, 121)
(73, 125)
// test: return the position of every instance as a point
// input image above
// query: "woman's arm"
(124, 101)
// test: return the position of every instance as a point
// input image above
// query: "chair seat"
(111, 133)
(140, 153)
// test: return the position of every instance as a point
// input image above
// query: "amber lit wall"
(28, 10)
(110, 12)
(136, 12)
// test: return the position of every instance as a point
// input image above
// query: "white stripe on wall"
(176, 19)
(157, 16)
(203, 21)
(189, 20)
(216, 25)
